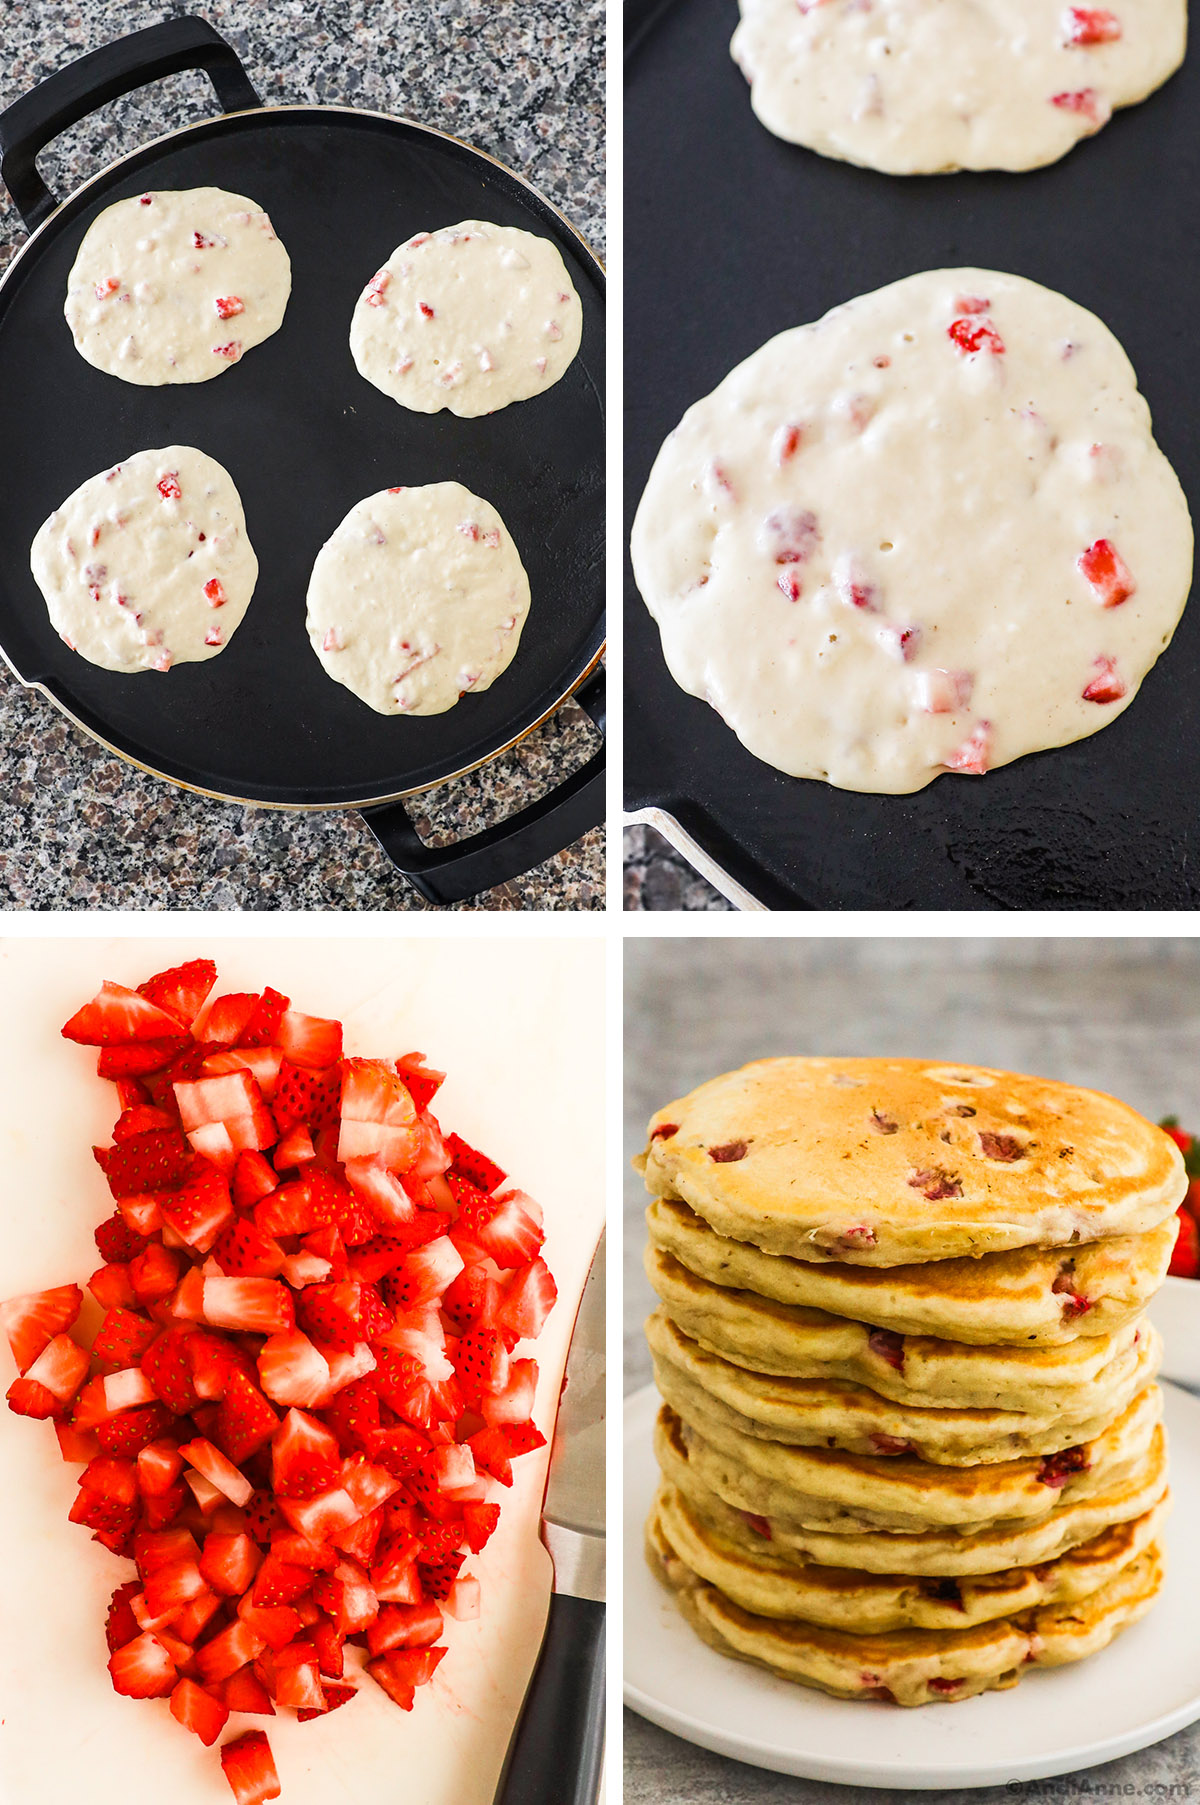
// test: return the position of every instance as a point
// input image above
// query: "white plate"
(1175, 1313)
(1142, 1688)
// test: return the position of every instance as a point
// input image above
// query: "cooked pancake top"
(882, 1161)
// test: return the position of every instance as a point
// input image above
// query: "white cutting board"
(525, 1084)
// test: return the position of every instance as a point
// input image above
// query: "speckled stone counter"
(1123, 1015)
(521, 79)
(657, 877)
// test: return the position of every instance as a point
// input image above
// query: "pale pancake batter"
(470, 318)
(930, 532)
(148, 564)
(910, 88)
(175, 285)
(417, 598)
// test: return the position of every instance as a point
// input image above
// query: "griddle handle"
(70, 94)
(555, 1753)
(446, 874)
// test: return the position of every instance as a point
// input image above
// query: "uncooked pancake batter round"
(470, 318)
(930, 532)
(176, 285)
(417, 598)
(910, 88)
(148, 564)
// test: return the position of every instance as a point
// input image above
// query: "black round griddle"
(731, 236)
(304, 437)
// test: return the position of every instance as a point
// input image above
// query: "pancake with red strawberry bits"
(880, 1162)
(912, 89)
(931, 532)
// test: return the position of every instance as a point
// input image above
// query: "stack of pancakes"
(911, 1441)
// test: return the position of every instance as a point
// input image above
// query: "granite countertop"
(1123, 1015)
(658, 877)
(521, 79)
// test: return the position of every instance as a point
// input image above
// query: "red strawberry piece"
(1056, 1469)
(253, 1178)
(259, 1306)
(305, 1457)
(200, 1210)
(472, 1297)
(1106, 571)
(199, 1711)
(159, 1465)
(528, 1298)
(298, 1683)
(789, 535)
(1083, 100)
(1107, 685)
(129, 1432)
(75, 1444)
(889, 1444)
(245, 1421)
(935, 1183)
(425, 310)
(280, 1583)
(305, 1095)
(110, 1286)
(243, 1251)
(229, 1017)
(334, 1696)
(32, 1320)
(263, 1027)
(231, 1649)
(512, 1233)
(425, 1274)
(131, 1092)
(368, 1485)
(474, 1166)
(420, 1080)
(182, 990)
(786, 443)
(380, 1255)
(464, 1598)
(122, 1625)
(154, 1274)
(1003, 1147)
(159, 1160)
(353, 1414)
(61, 1368)
(142, 1669)
(1087, 25)
(232, 350)
(217, 1469)
(229, 1563)
(402, 1671)
(228, 306)
(479, 1523)
(250, 1769)
(173, 1585)
(137, 1057)
(491, 1454)
(116, 1015)
(944, 692)
(186, 1063)
(309, 1040)
(295, 1149)
(481, 1361)
(262, 1063)
(378, 1117)
(141, 1119)
(405, 1626)
(167, 1365)
(387, 1202)
(168, 486)
(292, 1371)
(975, 335)
(513, 1403)
(373, 293)
(973, 754)
(123, 1337)
(889, 1346)
(1185, 1260)
(322, 1517)
(244, 1692)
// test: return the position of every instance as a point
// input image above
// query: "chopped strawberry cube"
(217, 1470)
(976, 334)
(142, 1669)
(32, 1320)
(229, 305)
(116, 1015)
(1088, 25)
(198, 1710)
(250, 1769)
(292, 1371)
(258, 1306)
(309, 1040)
(1107, 685)
(1104, 568)
(182, 990)
(402, 1670)
(973, 754)
(1083, 100)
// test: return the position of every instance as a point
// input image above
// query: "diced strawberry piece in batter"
(232, 350)
(972, 756)
(213, 637)
(492, 538)
(787, 442)
(215, 593)
(972, 335)
(331, 642)
(425, 310)
(971, 304)
(485, 360)
(789, 585)
(145, 199)
(1106, 685)
(374, 291)
(1086, 101)
(539, 364)
(108, 287)
(468, 529)
(168, 486)
(1107, 572)
(201, 242)
(941, 692)
(162, 660)
(1086, 25)
(553, 330)
(901, 642)
(853, 587)
(789, 535)
(228, 305)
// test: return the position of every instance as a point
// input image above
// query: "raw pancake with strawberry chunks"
(930, 532)
(308, 1383)
(826, 1412)
(776, 1582)
(878, 1162)
(176, 285)
(911, 1666)
(417, 599)
(909, 88)
(470, 318)
(148, 564)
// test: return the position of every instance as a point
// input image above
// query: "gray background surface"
(1122, 1015)
(521, 79)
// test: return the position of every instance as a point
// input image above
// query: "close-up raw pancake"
(910, 88)
(1128, 1489)
(929, 532)
(176, 285)
(1030, 1298)
(148, 564)
(766, 1582)
(790, 1341)
(470, 318)
(831, 1413)
(878, 1162)
(417, 598)
(910, 1667)
(825, 1488)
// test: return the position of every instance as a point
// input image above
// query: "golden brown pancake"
(887, 1162)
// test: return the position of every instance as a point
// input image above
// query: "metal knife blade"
(573, 1507)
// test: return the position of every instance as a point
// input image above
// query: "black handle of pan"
(446, 874)
(555, 1754)
(70, 94)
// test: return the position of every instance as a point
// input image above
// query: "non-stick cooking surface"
(304, 437)
(732, 236)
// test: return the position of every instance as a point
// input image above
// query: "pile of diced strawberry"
(303, 1390)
